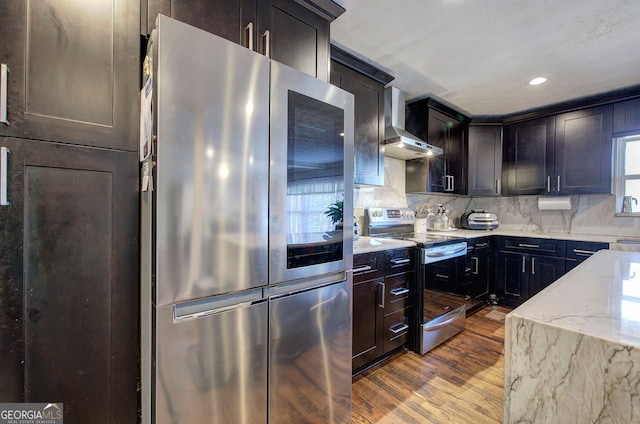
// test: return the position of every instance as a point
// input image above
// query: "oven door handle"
(445, 323)
(446, 252)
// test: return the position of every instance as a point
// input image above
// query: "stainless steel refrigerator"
(246, 287)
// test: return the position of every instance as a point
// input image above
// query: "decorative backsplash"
(589, 214)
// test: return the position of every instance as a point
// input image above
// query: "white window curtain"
(307, 200)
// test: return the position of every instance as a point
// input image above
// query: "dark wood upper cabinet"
(69, 280)
(485, 160)
(74, 71)
(369, 122)
(626, 117)
(529, 157)
(295, 33)
(583, 151)
(445, 173)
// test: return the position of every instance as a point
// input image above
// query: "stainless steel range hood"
(398, 142)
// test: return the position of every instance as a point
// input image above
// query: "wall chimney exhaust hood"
(399, 143)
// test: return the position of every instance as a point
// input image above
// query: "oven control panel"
(391, 216)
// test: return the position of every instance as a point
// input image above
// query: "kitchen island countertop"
(572, 352)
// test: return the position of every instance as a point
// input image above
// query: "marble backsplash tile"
(589, 214)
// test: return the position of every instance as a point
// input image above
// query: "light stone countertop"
(572, 352)
(373, 244)
(599, 298)
(517, 233)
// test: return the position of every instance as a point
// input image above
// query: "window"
(628, 174)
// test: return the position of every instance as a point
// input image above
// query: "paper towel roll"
(554, 203)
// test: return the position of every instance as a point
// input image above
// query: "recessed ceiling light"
(537, 81)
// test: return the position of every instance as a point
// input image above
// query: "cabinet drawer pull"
(400, 261)
(531, 246)
(399, 291)
(266, 36)
(398, 328)
(533, 266)
(558, 188)
(548, 184)
(362, 269)
(4, 153)
(249, 29)
(583, 252)
(480, 245)
(382, 288)
(524, 265)
(442, 276)
(498, 186)
(4, 89)
(475, 262)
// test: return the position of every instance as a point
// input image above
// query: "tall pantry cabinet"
(69, 220)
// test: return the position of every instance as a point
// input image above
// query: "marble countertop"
(599, 298)
(374, 244)
(517, 233)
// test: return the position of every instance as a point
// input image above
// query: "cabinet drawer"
(478, 245)
(367, 266)
(397, 292)
(399, 260)
(532, 245)
(396, 327)
(581, 250)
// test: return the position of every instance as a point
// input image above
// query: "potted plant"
(335, 212)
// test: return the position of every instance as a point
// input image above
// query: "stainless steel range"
(440, 312)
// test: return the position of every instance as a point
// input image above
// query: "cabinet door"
(512, 277)
(485, 160)
(544, 270)
(369, 122)
(69, 280)
(584, 151)
(74, 71)
(530, 157)
(626, 117)
(293, 35)
(227, 19)
(437, 135)
(368, 322)
(456, 157)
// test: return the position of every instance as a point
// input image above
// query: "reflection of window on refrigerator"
(628, 172)
(307, 200)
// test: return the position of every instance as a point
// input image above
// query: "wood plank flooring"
(459, 381)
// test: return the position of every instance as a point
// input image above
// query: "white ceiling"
(479, 54)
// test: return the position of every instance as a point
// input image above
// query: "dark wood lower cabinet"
(368, 322)
(520, 276)
(69, 305)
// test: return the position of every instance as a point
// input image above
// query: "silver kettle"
(626, 204)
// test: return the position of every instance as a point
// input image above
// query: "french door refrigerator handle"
(4, 154)
(4, 88)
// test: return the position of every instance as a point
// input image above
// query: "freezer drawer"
(310, 355)
(212, 369)
(442, 328)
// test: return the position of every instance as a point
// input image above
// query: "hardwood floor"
(459, 381)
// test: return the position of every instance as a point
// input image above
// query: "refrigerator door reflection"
(310, 364)
(212, 369)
